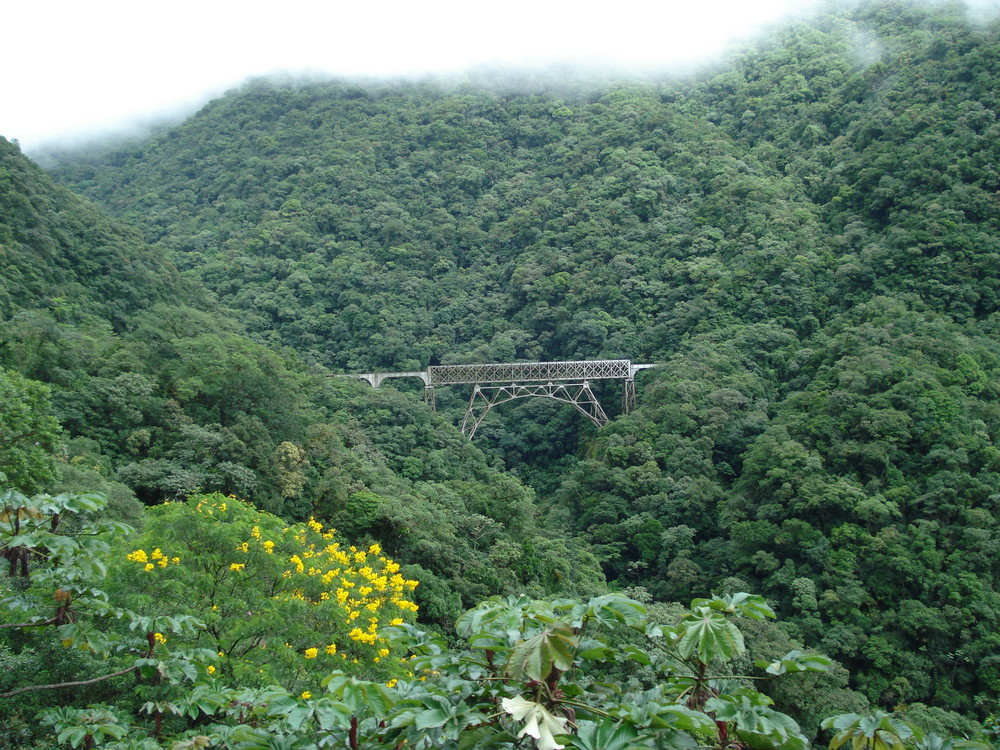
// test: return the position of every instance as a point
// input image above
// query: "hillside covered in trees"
(176, 398)
(806, 238)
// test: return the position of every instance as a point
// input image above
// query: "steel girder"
(530, 372)
(485, 397)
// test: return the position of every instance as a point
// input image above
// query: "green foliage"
(526, 668)
(535, 658)
(795, 661)
(175, 400)
(61, 253)
(479, 695)
(805, 238)
(29, 433)
(52, 599)
(279, 603)
(879, 731)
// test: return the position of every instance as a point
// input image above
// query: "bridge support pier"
(628, 396)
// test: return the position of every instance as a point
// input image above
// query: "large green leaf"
(608, 735)
(493, 616)
(535, 657)
(614, 608)
(755, 722)
(438, 715)
(638, 655)
(709, 636)
(748, 605)
(685, 719)
(592, 649)
(485, 738)
(432, 718)
(359, 695)
(796, 661)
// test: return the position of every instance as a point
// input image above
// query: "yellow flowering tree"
(280, 603)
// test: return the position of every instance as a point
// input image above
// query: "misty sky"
(81, 68)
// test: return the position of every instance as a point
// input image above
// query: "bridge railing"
(530, 372)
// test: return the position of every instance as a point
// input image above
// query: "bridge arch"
(487, 397)
(375, 379)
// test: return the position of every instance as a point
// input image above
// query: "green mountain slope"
(806, 238)
(160, 393)
(64, 254)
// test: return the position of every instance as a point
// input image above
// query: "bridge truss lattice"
(499, 383)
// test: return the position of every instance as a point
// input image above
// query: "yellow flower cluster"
(153, 559)
(356, 592)
(364, 584)
(362, 636)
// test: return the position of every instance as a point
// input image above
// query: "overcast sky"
(80, 68)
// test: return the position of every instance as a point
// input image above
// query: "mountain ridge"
(808, 242)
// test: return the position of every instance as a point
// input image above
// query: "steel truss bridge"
(496, 384)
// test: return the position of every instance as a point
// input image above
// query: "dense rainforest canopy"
(806, 238)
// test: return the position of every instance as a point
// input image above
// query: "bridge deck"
(530, 372)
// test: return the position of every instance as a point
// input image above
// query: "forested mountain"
(63, 253)
(159, 393)
(806, 238)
